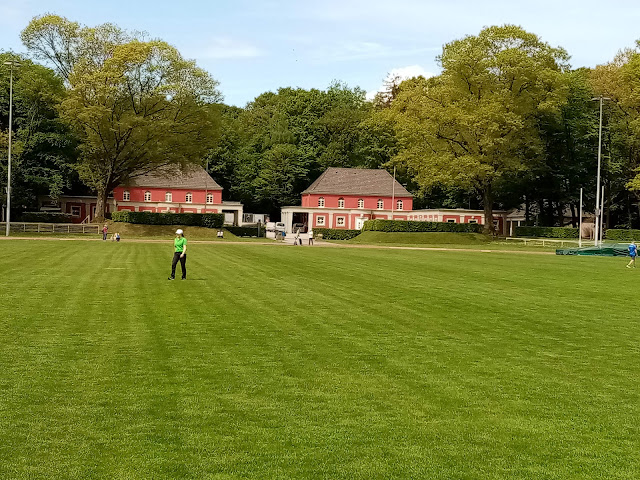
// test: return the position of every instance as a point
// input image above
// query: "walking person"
(105, 230)
(179, 255)
(633, 252)
(310, 237)
(296, 239)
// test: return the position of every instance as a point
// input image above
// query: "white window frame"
(380, 204)
(473, 220)
(147, 196)
(344, 221)
(126, 196)
(188, 198)
(399, 205)
(320, 221)
(79, 210)
(451, 220)
(210, 198)
(321, 202)
(341, 202)
(360, 203)
(168, 197)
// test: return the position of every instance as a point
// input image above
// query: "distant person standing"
(105, 230)
(310, 237)
(179, 255)
(633, 252)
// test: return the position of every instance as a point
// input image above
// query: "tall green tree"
(477, 121)
(270, 151)
(619, 80)
(43, 149)
(134, 104)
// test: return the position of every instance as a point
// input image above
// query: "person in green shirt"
(179, 254)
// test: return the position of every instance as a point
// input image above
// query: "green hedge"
(335, 233)
(209, 220)
(246, 231)
(624, 235)
(413, 226)
(46, 217)
(547, 232)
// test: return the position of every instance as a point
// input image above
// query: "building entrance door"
(359, 223)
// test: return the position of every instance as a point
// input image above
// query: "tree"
(135, 104)
(270, 151)
(620, 81)
(477, 121)
(43, 148)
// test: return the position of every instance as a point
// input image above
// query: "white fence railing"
(549, 241)
(22, 227)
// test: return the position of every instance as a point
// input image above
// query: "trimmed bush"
(246, 231)
(546, 232)
(209, 220)
(46, 217)
(335, 233)
(623, 235)
(413, 226)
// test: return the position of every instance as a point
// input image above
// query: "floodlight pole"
(601, 214)
(598, 206)
(12, 63)
(580, 223)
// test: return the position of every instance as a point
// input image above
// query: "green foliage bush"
(209, 220)
(546, 232)
(623, 235)
(46, 217)
(413, 226)
(247, 231)
(335, 233)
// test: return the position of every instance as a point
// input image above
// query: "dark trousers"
(183, 264)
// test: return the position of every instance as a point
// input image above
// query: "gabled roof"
(357, 181)
(191, 178)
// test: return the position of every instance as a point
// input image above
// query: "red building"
(171, 190)
(165, 190)
(347, 197)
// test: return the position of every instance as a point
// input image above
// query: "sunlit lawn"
(276, 362)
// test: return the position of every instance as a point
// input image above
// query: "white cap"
(179, 231)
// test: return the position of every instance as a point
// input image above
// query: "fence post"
(68, 228)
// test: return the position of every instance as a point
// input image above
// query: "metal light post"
(12, 64)
(580, 224)
(598, 206)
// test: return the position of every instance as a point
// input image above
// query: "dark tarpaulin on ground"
(611, 250)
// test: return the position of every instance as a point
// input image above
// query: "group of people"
(298, 241)
(105, 230)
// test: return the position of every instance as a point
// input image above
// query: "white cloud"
(226, 48)
(403, 73)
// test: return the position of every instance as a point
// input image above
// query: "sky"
(255, 46)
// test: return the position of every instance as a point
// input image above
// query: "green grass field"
(273, 362)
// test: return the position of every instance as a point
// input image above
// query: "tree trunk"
(101, 205)
(574, 217)
(560, 210)
(487, 200)
(527, 211)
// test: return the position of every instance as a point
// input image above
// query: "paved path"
(288, 242)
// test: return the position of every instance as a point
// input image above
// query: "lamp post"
(11, 63)
(598, 206)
